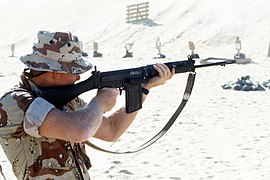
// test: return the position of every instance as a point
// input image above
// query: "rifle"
(129, 80)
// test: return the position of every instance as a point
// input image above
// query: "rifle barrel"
(222, 63)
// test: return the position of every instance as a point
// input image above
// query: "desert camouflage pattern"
(37, 158)
(58, 52)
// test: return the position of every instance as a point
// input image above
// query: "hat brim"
(36, 62)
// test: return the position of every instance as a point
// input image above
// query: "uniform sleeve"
(12, 107)
(35, 116)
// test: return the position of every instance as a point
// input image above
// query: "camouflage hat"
(57, 52)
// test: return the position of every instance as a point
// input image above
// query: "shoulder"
(16, 98)
(13, 106)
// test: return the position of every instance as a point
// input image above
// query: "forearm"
(89, 118)
(73, 126)
(115, 125)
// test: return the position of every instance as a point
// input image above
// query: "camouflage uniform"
(21, 113)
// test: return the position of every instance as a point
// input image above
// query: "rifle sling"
(187, 93)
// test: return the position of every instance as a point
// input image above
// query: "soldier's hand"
(164, 74)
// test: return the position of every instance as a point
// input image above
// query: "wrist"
(147, 86)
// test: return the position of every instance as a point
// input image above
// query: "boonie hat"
(57, 52)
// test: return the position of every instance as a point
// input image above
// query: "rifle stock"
(129, 80)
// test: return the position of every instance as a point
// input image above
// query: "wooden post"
(269, 50)
(238, 45)
(158, 46)
(95, 46)
(191, 47)
(12, 49)
(128, 46)
(96, 53)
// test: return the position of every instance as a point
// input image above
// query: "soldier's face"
(62, 79)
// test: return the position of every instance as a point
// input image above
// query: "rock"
(266, 83)
(244, 83)
(237, 87)
(226, 86)
(259, 87)
(247, 88)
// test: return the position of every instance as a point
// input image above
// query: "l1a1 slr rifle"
(129, 80)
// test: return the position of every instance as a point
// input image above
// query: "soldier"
(44, 142)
